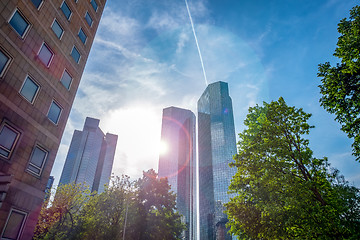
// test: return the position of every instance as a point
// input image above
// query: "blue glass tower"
(90, 157)
(178, 164)
(216, 147)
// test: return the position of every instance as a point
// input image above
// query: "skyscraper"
(44, 46)
(178, 164)
(90, 157)
(216, 147)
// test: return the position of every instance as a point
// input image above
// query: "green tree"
(156, 206)
(137, 210)
(59, 217)
(103, 217)
(282, 191)
(340, 85)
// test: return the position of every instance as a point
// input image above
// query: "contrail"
(197, 44)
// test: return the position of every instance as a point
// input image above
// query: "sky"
(145, 58)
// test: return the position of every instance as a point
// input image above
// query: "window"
(94, 4)
(14, 225)
(45, 55)
(29, 89)
(37, 3)
(88, 19)
(37, 160)
(54, 112)
(58, 30)
(4, 62)
(75, 54)
(66, 79)
(8, 139)
(19, 23)
(82, 36)
(66, 10)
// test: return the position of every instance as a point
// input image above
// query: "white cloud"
(129, 79)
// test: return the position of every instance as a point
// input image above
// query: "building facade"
(216, 148)
(44, 46)
(178, 164)
(90, 157)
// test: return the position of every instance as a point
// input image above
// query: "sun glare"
(163, 148)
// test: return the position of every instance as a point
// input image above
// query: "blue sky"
(144, 58)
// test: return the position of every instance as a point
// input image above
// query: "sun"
(163, 147)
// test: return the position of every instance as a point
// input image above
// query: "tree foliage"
(282, 191)
(142, 209)
(340, 85)
(61, 216)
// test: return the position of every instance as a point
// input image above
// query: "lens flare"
(163, 147)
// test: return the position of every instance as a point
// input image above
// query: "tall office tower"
(178, 164)
(44, 46)
(217, 145)
(90, 157)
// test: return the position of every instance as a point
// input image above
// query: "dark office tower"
(44, 45)
(216, 147)
(48, 187)
(90, 157)
(178, 163)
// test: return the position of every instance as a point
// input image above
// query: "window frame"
(6, 66)
(67, 18)
(62, 33)
(92, 20)
(37, 91)
(24, 18)
(35, 166)
(41, 3)
(25, 214)
(72, 78)
(97, 5)
(13, 146)
(52, 56)
(82, 30)
(61, 109)
(74, 47)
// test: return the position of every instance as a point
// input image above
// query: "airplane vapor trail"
(197, 43)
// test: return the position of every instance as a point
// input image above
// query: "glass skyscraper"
(216, 147)
(90, 157)
(178, 164)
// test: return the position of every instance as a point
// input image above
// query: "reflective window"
(75, 54)
(29, 89)
(45, 55)
(8, 138)
(88, 19)
(54, 112)
(57, 29)
(66, 80)
(37, 160)
(4, 61)
(14, 225)
(66, 10)
(36, 3)
(82, 36)
(94, 4)
(19, 23)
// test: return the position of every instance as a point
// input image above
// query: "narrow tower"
(217, 146)
(178, 163)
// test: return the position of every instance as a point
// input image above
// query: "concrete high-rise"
(178, 163)
(44, 46)
(216, 148)
(90, 157)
